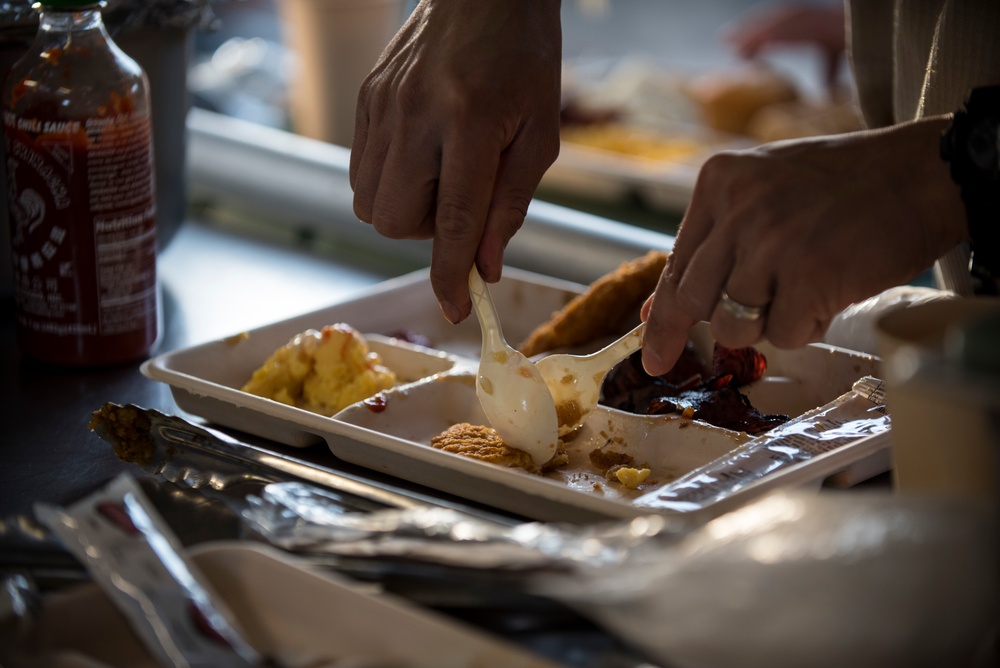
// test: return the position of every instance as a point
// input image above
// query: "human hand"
(820, 25)
(802, 229)
(455, 127)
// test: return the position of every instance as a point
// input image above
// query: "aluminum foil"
(794, 578)
(302, 518)
(799, 579)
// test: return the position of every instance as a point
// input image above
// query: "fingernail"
(451, 312)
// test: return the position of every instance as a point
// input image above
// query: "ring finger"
(741, 313)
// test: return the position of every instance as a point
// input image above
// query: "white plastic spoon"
(512, 392)
(575, 380)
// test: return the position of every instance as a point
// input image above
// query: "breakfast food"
(485, 444)
(728, 100)
(322, 371)
(632, 141)
(629, 477)
(602, 309)
(803, 118)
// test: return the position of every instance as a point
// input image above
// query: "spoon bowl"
(511, 390)
(575, 380)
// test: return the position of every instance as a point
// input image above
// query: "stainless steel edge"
(262, 170)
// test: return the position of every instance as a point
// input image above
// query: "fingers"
(666, 328)
(368, 154)
(682, 298)
(360, 140)
(520, 171)
(463, 199)
(743, 292)
(797, 315)
(403, 206)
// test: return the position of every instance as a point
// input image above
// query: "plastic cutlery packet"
(858, 414)
(138, 562)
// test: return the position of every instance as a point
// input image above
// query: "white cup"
(945, 436)
(335, 44)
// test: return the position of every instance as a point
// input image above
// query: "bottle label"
(83, 232)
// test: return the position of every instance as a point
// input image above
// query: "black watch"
(971, 146)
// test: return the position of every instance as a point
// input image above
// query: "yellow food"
(485, 444)
(632, 141)
(728, 100)
(322, 371)
(630, 477)
(609, 303)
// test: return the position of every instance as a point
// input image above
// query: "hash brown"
(601, 310)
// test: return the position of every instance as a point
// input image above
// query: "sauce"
(376, 403)
(81, 198)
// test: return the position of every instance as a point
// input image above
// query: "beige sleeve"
(916, 59)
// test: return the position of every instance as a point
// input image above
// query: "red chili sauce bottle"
(80, 192)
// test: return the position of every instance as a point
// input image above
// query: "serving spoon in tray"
(575, 380)
(511, 390)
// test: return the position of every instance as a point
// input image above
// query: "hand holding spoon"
(511, 390)
(575, 380)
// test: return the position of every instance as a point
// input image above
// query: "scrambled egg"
(322, 371)
(630, 477)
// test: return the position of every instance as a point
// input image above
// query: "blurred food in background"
(639, 130)
(639, 107)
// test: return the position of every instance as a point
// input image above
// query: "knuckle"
(455, 210)
(548, 148)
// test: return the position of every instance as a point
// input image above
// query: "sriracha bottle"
(80, 192)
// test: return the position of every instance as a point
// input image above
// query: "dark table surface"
(214, 283)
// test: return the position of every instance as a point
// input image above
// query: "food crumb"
(631, 477)
(237, 338)
(605, 459)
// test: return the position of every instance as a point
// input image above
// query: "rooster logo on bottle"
(28, 212)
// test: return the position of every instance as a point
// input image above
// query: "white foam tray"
(438, 390)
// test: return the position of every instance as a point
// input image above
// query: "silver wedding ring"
(741, 311)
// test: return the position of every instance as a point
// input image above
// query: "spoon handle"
(615, 352)
(486, 311)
